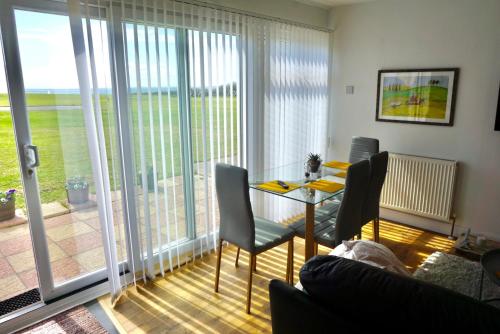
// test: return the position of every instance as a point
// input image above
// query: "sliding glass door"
(214, 90)
(17, 263)
(120, 116)
(155, 109)
(55, 146)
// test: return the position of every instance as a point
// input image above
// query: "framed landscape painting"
(421, 96)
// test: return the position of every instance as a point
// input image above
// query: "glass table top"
(295, 173)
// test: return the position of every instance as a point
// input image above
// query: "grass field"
(62, 141)
(434, 105)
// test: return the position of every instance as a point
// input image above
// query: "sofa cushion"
(371, 253)
(393, 302)
(458, 274)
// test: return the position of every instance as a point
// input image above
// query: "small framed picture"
(419, 96)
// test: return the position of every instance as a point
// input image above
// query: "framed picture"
(420, 96)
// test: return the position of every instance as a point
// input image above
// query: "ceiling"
(331, 3)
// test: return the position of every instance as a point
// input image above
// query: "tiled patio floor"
(75, 247)
(75, 242)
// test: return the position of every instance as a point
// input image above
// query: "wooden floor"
(185, 302)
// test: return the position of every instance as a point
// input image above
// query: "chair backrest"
(378, 171)
(348, 223)
(362, 148)
(236, 218)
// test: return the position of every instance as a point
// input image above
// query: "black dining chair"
(345, 222)
(363, 148)
(348, 221)
(371, 208)
(240, 227)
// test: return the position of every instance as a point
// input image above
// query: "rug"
(78, 320)
(458, 274)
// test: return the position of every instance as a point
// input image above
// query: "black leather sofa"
(349, 296)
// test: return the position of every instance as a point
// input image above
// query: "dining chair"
(345, 222)
(348, 221)
(371, 209)
(240, 227)
(362, 148)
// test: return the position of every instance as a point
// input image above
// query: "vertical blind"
(192, 86)
(287, 69)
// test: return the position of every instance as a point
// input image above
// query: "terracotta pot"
(8, 210)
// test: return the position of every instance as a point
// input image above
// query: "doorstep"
(53, 209)
(50, 210)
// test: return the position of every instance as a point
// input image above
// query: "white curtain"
(191, 86)
(287, 80)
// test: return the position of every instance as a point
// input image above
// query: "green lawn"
(62, 141)
(39, 99)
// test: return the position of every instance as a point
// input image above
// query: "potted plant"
(7, 204)
(77, 190)
(150, 177)
(313, 162)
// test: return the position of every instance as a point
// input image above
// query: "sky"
(48, 62)
(415, 79)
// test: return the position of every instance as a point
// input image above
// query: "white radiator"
(420, 186)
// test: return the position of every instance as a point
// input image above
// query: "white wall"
(285, 9)
(426, 33)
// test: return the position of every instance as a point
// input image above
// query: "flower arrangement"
(8, 196)
(77, 183)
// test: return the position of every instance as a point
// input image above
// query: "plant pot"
(8, 210)
(314, 166)
(78, 196)
(151, 180)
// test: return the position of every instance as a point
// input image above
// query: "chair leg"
(255, 264)
(376, 230)
(249, 287)
(359, 235)
(289, 263)
(237, 257)
(217, 270)
(316, 246)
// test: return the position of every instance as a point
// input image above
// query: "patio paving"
(75, 242)
(68, 239)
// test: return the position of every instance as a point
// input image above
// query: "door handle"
(31, 158)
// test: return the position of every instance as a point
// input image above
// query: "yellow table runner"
(326, 186)
(276, 188)
(337, 164)
(341, 174)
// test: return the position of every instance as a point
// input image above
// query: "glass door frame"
(115, 27)
(16, 88)
(21, 123)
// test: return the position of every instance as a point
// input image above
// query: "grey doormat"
(458, 274)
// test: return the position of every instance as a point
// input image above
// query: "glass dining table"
(295, 173)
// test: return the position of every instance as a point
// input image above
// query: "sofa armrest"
(293, 311)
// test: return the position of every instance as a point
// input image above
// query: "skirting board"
(430, 224)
